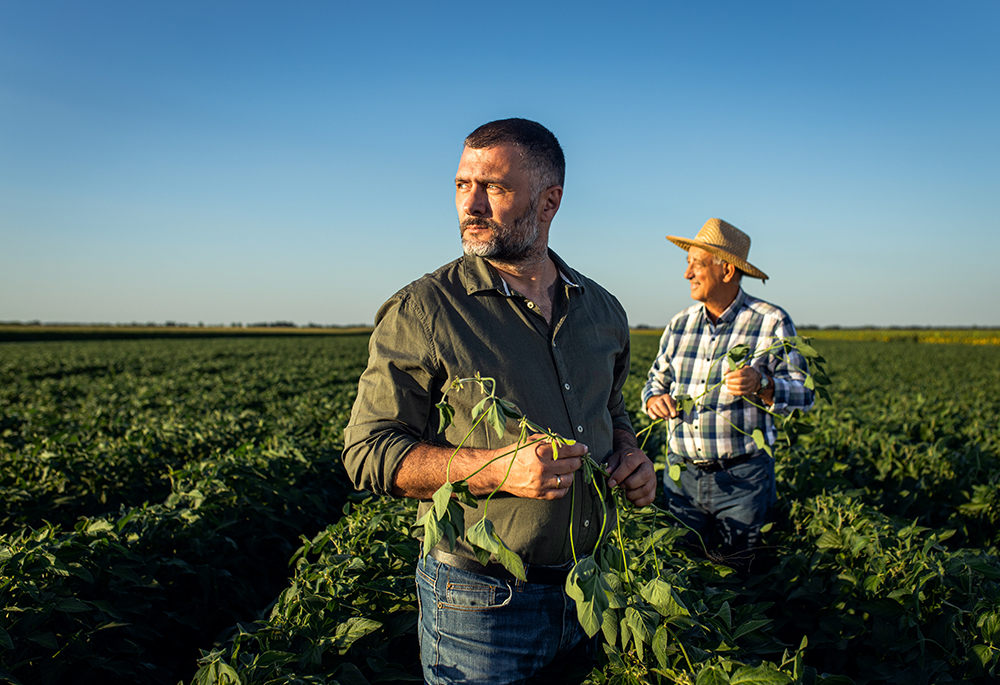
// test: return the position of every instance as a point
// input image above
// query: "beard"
(512, 243)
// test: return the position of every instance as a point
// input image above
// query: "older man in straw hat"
(726, 488)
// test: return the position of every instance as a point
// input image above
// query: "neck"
(715, 306)
(532, 278)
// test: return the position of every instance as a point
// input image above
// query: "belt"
(544, 575)
(716, 465)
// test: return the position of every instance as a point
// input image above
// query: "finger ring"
(558, 481)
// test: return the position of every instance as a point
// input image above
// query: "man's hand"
(632, 469)
(535, 472)
(746, 381)
(661, 407)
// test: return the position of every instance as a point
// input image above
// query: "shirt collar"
(480, 276)
(729, 315)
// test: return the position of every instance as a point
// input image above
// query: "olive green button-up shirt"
(461, 320)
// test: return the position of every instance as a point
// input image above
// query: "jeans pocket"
(463, 595)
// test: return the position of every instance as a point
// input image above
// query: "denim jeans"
(479, 629)
(728, 507)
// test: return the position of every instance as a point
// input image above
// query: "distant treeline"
(16, 331)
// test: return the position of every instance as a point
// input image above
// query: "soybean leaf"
(509, 409)
(609, 626)
(461, 493)
(642, 621)
(479, 408)
(675, 473)
(765, 674)
(586, 584)
(433, 532)
(660, 646)
(660, 595)
(713, 675)
(485, 541)
(446, 414)
(442, 498)
(737, 356)
(497, 419)
(749, 626)
(351, 630)
(685, 403)
(5, 640)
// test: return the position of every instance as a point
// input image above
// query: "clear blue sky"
(247, 161)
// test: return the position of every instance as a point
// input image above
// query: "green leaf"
(750, 626)
(642, 621)
(609, 626)
(479, 408)
(587, 586)
(433, 531)
(660, 596)
(725, 614)
(713, 675)
(765, 674)
(72, 605)
(675, 473)
(5, 640)
(446, 414)
(485, 541)
(685, 403)
(46, 639)
(497, 419)
(509, 409)
(660, 640)
(442, 498)
(830, 540)
(351, 630)
(737, 356)
(758, 438)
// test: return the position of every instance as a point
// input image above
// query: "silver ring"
(558, 481)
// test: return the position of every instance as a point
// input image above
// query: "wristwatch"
(765, 382)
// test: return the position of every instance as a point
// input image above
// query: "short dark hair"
(542, 151)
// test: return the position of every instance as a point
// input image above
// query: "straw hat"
(724, 241)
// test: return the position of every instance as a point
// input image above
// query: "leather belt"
(544, 575)
(716, 465)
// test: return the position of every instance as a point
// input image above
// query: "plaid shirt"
(692, 359)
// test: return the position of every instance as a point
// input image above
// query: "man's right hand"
(536, 473)
(661, 407)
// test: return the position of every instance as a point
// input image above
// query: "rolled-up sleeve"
(393, 408)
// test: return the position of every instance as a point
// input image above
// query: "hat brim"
(744, 266)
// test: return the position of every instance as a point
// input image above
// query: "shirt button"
(566, 385)
(579, 429)
(531, 305)
(586, 523)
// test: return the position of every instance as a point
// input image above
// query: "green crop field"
(175, 510)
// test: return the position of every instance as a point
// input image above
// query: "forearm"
(425, 469)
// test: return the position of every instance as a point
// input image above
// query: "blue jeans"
(479, 629)
(727, 508)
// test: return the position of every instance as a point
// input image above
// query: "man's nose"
(475, 202)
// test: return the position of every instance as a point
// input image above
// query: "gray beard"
(512, 244)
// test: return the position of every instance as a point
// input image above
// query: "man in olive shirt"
(558, 346)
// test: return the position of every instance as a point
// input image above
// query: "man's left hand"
(632, 469)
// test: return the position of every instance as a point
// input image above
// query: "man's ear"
(728, 272)
(548, 203)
